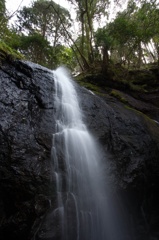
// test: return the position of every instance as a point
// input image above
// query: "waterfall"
(80, 188)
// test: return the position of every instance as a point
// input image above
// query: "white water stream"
(81, 198)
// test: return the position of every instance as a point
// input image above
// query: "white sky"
(13, 5)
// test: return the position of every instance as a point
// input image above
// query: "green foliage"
(3, 19)
(132, 38)
(8, 53)
(65, 56)
(2, 9)
(43, 18)
(42, 33)
(103, 38)
(35, 48)
(88, 12)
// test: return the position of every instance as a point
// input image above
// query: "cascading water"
(81, 201)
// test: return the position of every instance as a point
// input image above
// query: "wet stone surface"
(130, 146)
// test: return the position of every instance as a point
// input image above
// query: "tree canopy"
(44, 33)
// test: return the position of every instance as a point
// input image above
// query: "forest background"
(45, 33)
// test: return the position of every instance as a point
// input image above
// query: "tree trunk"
(90, 32)
(105, 59)
(158, 57)
(82, 28)
(85, 63)
(139, 55)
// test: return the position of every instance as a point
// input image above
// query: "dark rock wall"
(129, 140)
(26, 126)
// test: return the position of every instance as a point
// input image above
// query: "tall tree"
(104, 41)
(43, 18)
(41, 28)
(3, 19)
(88, 11)
(134, 33)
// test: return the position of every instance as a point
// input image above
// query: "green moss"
(137, 88)
(118, 95)
(84, 83)
(151, 125)
(142, 114)
(135, 110)
(97, 90)
(8, 53)
(139, 80)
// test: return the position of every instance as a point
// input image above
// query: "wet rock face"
(129, 140)
(26, 126)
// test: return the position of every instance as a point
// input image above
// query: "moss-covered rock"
(117, 94)
(138, 89)
(7, 53)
